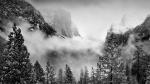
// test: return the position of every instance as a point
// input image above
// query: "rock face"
(61, 21)
(143, 30)
(10, 9)
(63, 24)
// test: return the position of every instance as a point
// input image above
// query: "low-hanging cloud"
(78, 52)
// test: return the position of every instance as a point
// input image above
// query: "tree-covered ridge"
(141, 33)
(112, 66)
(10, 9)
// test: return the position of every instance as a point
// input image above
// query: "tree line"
(16, 68)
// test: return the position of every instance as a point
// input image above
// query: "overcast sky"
(94, 17)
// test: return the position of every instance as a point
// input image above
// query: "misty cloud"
(78, 52)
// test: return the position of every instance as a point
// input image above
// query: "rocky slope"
(60, 20)
(63, 24)
(141, 34)
(10, 9)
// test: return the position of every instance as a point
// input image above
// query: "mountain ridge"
(10, 9)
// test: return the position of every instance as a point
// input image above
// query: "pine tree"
(93, 76)
(140, 65)
(109, 65)
(86, 76)
(15, 63)
(148, 74)
(60, 77)
(68, 75)
(33, 76)
(50, 73)
(98, 75)
(102, 69)
(81, 81)
(39, 72)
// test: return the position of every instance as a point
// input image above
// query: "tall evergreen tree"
(110, 65)
(33, 76)
(93, 76)
(50, 73)
(39, 73)
(15, 64)
(68, 75)
(98, 75)
(86, 76)
(81, 81)
(102, 69)
(148, 74)
(140, 65)
(60, 77)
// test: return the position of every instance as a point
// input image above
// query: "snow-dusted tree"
(39, 73)
(102, 70)
(15, 64)
(109, 65)
(68, 75)
(50, 73)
